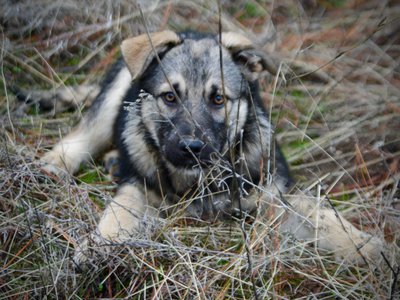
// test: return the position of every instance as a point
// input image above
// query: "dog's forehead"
(200, 48)
(200, 60)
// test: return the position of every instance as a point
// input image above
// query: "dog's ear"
(139, 51)
(253, 62)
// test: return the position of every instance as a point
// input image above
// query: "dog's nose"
(191, 146)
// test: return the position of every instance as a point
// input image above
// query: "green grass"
(252, 10)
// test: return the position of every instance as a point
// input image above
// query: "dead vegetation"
(335, 104)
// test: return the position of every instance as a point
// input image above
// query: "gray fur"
(238, 130)
(185, 151)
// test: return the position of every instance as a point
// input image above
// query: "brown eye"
(169, 97)
(218, 99)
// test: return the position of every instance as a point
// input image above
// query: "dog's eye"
(169, 97)
(218, 99)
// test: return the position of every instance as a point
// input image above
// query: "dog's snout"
(191, 146)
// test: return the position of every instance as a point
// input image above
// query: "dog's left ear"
(139, 51)
(252, 61)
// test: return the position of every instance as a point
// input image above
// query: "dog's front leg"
(77, 147)
(122, 221)
(123, 217)
(94, 133)
(330, 231)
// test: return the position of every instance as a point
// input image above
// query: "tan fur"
(91, 136)
(122, 219)
(137, 50)
(235, 41)
(124, 214)
(307, 220)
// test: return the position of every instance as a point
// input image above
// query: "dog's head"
(202, 92)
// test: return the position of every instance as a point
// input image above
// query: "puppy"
(184, 111)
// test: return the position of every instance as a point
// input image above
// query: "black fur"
(129, 171)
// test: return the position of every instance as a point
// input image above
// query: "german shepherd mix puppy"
(193, 136)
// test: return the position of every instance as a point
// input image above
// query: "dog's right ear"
(139, 51)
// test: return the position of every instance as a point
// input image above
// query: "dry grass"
(339, 128)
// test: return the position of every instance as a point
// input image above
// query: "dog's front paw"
(91, 251)
(54, 163)
(68, 154)
(367, 249)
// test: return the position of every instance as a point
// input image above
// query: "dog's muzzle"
(189, 152)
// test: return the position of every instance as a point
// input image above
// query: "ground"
(335, 104)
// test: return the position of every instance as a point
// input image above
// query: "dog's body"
(194, 139)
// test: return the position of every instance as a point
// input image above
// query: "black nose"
(191, 146)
